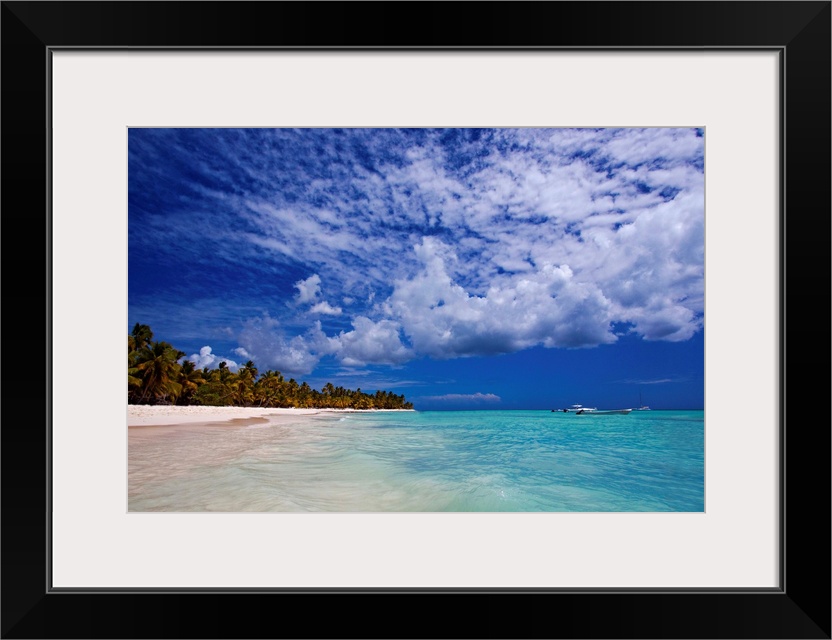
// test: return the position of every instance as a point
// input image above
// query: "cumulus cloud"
(548, 307)
(205, 358)
(267, 342)
(372, 343)
(309, 289)
(269, 345)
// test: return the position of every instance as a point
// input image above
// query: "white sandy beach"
(145, 415)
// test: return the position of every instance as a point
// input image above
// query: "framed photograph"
(487, 218)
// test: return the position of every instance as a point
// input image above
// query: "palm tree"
(291, 393)
(250, 367)
(159, 366)
(191, 379)
(268, 389)
(223, 372)
(134, 383)
(304, 394)
(244, 384)
(141, 336)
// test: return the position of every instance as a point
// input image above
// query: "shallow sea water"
(440, 461)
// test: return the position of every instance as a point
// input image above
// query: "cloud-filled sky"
(478, 268)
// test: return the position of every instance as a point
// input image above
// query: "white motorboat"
(575, 408)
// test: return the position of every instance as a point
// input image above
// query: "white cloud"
(205, 358)
(636, 146)
(326, 309)
(372, 343)
(265, 340)
(548, 307)
(473, 398)
(671, 323)
(309, 289)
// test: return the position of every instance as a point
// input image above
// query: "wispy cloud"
(465, 398)
(326, 309)
(659, 381)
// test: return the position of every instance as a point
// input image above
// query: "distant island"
(157, 374)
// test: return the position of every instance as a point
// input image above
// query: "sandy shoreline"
(141, 415)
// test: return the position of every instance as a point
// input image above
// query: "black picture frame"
(799, 608)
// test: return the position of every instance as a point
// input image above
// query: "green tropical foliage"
(157, 373)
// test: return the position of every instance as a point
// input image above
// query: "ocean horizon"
(424, 461)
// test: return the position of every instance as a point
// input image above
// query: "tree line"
(157, 373)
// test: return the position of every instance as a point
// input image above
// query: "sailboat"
(641, 405)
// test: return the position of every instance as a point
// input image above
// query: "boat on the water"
(575, 408)
(641, 405)
(607, 412)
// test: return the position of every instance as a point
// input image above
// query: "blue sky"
(464, 268)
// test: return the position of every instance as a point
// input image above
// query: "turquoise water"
(443, 461)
